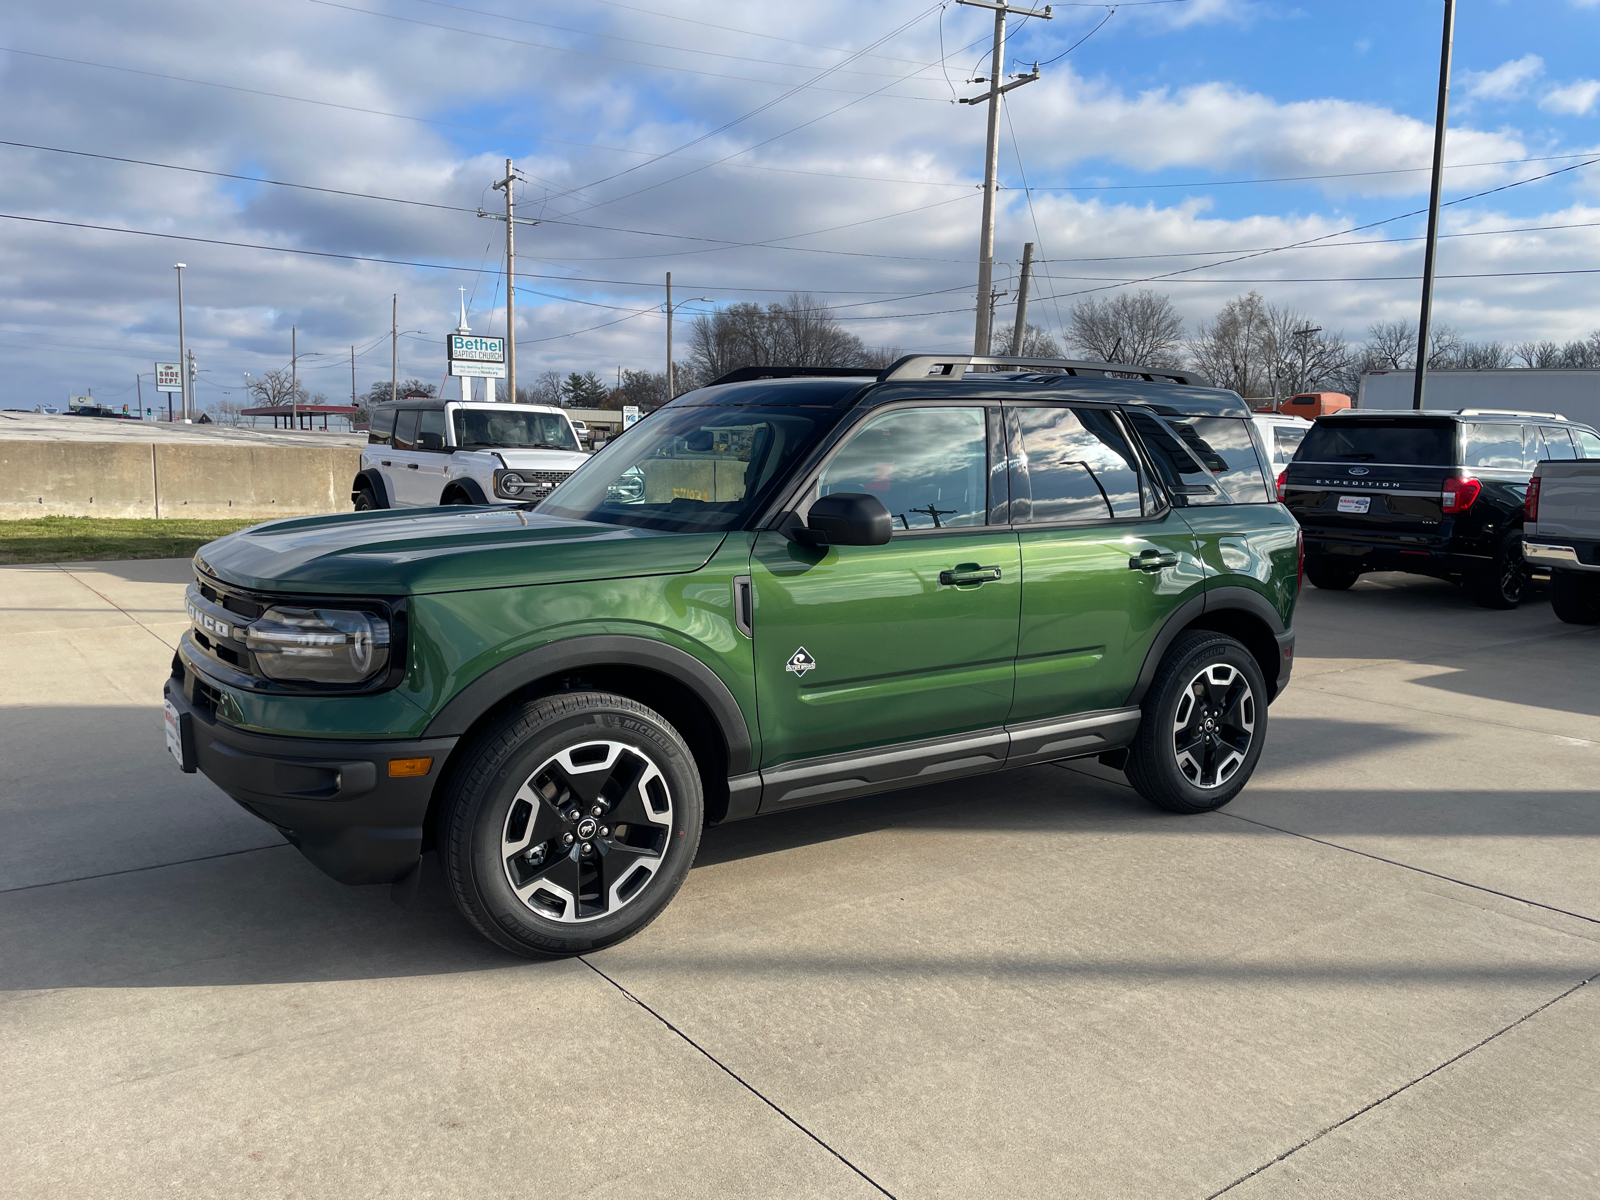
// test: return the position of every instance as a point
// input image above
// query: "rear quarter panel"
(1250, 545)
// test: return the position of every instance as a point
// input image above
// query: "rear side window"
(1557, 445)
(382, 429)
(1288, 439)
(1493, 446)
(1188, 480)
(405, 429)
(1076, 466)
(1588, 443)
(1402, 441)
(1225, 444)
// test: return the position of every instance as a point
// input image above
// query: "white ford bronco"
(426, 452)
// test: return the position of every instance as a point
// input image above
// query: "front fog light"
(320, 645)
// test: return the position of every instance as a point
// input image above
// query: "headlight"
(320, 645)
(509, 483)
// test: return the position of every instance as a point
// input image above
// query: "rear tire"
(570, 824)
(1204, 723)
(1328, 575)
(1575, 597)
(1505, 582)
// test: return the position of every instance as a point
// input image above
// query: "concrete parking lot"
(1369, 976)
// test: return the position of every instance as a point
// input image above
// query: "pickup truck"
(1561, 532)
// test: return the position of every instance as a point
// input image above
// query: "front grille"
(543, 481)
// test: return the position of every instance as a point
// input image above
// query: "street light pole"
(1426, 316)
(183, 352)
(294, 379)
(672, 308)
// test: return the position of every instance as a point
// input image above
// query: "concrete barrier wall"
(109, 479)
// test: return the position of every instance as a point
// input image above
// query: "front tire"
(1575, 598)
(1203, 726)
(366, 501)
(1504, 582)
(1329, 576)
(571, 823)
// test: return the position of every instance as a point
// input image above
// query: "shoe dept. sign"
(477, 357)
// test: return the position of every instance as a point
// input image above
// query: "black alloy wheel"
(1328, 575)
(366, 501)
(571, 823)
(1575, 597)
(1504, 583)
(1203, 725)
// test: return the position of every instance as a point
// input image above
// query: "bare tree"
(1392, 346)
(1140, 327)
(1036, 343)
(1481, 356)
(379, 391)
(1300, 356)
(799, 332)
(276, 387)
(1234, 349)
(1541, 355)
(545, 389)
(1584, 352)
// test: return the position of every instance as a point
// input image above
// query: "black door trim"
(1069, 737)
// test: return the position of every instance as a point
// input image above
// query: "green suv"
(787, 588)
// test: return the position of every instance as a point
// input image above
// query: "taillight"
(1530, 506)
(1459, 495)
(1300, 549)
(1283, 477)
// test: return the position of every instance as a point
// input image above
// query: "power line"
(500, 37)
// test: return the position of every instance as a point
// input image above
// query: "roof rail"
(1506, 412)
(746, 374)
(953, 366)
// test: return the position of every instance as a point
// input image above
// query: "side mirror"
(847, 519)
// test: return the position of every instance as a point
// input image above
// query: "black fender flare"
(1229, 597)
(468, 485)
(378, 484)
(608, 650)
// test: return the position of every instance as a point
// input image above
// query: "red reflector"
(1459, 495)
(1420, 553)
(1530, 506)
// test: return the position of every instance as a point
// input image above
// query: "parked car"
(424, 452)
(1561, 533)
(1430, 493)
(581, 428)
(772, 593)
(1280, 437)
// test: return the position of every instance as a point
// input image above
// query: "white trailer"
(1574, 394)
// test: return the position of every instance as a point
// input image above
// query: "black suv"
(1432, 493)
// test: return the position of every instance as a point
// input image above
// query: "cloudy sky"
(752, 149)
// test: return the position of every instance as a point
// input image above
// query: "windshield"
(1406, 441)
(690, 469)
(477, 428)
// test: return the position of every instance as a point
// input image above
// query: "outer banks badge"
(800, 662)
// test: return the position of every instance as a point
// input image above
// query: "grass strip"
(84, 539)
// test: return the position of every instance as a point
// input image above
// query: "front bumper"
(333, 800)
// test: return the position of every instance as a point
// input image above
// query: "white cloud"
(1574, 99)
(1507, 81)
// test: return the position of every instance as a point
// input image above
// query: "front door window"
(928, 466)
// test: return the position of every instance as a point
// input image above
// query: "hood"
(399, 552)
(540, 460)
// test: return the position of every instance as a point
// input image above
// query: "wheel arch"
(468, 487)
(691, 696)
(374, 480)
(1242, 614)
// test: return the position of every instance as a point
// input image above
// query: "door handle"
(411, 466)
(1152, 560)
(967, 574)
(387, 463)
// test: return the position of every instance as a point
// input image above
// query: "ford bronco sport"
(776, 592)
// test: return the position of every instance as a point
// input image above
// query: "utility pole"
(1020, 331)
(394, 346)
(1433, 204)
(183, 352)
(352, 376)
(512, 221)
(672, 308)
(294, 380)
(194, 377)
(991, 162)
